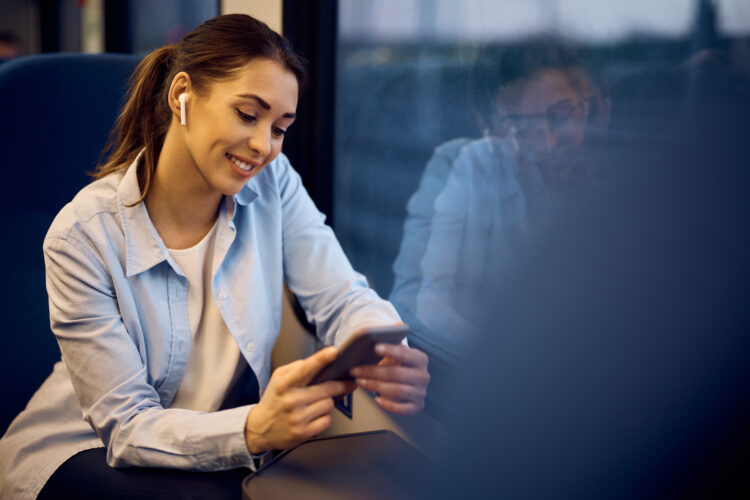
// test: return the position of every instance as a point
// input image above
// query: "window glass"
(155, 24)
(463, 127)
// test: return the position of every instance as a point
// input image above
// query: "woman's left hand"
(400, 379)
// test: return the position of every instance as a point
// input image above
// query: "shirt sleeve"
(417, 228)
(444, 258)
(337, 299)
(466, 244)
(110, 378)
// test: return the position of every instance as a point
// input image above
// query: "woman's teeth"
(240, 163)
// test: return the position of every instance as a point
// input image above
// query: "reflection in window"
(464, 127)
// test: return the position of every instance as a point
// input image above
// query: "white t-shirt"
(215, 362)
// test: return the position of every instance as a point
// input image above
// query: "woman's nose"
(260, 142)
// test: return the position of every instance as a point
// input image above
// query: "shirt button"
(250, 346)
(223, 295)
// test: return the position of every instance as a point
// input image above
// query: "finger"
(361, 369)
(403, 354)
(388, 361)
(399, 407)
(394, 391)
(302, 371)
(319, 425)
(401, 374)
(325, 390)
(305, 430)
(315, 410)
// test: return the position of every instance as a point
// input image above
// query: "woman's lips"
(242, 166)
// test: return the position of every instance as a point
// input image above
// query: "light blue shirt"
(119, 310)
(479, 219)
(420, 209)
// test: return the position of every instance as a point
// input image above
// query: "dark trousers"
(87, 476)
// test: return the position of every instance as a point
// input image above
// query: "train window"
(460, 127)
(139, 26)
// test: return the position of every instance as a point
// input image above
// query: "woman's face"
(237, 127)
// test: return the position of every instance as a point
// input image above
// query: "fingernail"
(380, 349)
(361, 381)
(355, 372)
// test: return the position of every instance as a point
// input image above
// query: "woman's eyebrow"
(264, 104)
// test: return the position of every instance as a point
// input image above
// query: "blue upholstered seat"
(56, 112)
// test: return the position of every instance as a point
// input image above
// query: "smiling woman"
(232, 131)
(165, 281)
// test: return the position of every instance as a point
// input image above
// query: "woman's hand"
(290, 411)
(400, 379)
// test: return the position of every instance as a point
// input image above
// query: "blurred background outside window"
(460, 127)
(402, 86)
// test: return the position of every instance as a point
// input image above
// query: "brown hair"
(213, 51)
(497, 67)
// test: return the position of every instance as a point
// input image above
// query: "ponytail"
(144, 119)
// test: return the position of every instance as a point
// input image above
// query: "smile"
(241, 164)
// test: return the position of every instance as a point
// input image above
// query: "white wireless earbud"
(182, 98)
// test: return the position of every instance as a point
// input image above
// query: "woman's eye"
(277, 131)
(245, 117)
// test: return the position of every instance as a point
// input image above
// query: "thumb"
(310, 366)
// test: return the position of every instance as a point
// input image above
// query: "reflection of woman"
(165, 283)
(478, 199)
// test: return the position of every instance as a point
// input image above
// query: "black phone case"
(361, 351)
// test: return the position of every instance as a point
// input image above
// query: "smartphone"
(360, 350)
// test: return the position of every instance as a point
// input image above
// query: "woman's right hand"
(290, 411)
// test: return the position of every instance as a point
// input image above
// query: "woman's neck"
(180, 203)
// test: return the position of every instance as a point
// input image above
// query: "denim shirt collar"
(246, 195)
(144, 247)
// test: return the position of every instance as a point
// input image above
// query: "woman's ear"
(179, 105)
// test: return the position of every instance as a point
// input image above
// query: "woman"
(165, 282)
